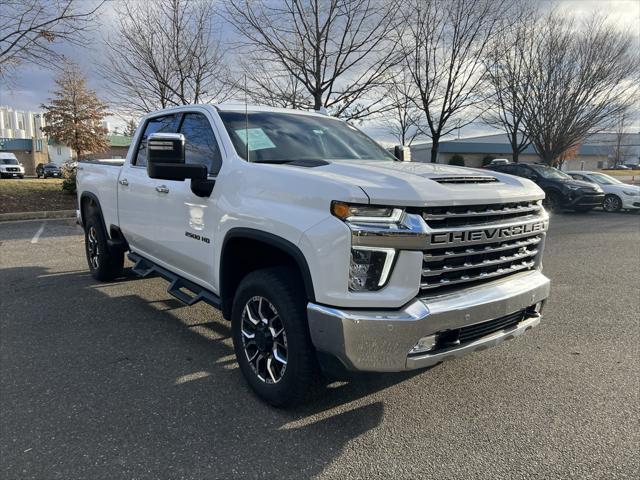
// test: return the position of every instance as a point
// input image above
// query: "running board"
(182, 289)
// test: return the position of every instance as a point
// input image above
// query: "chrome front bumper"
(380, 341)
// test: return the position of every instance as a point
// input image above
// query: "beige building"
(595, 153)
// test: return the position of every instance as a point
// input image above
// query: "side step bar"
(182, 289)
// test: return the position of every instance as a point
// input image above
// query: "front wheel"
(612, 203)
(104, 263)
(271, 337)
(553, 201)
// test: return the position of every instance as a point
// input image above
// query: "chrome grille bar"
(475, 277)
(428, 272)
(430, 257)
(534, 208)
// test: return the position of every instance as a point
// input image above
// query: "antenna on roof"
(246, 119)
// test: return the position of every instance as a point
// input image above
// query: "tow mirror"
(165, 158)
(166, 161)
(402, 153)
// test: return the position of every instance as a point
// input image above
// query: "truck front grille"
(468, 215)
(480, 243)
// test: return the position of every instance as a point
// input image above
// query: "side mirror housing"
(398, 152)
(165, 158)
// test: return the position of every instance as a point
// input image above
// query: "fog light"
(424, 344)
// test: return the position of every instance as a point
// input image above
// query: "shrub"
(457, 160)
(69, 171)
(487, 160)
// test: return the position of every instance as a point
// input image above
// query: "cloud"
(32, 85)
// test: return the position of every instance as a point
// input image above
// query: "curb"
(7, 217)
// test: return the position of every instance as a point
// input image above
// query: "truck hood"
(421, 184)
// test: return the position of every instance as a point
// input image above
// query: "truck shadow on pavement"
(120, 381)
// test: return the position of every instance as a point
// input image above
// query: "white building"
(20, 124)
(59, 154)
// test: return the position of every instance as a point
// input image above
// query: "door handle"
(162, 189)
(123, 182)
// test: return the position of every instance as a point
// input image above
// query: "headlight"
(369, 268)
(365, 213)
(631, 193)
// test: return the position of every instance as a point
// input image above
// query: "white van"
(10, 167)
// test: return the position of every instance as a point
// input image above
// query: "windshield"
(284, 137)
(9, 161)
(550, 172)
(603, 179)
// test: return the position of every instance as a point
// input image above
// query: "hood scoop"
(465, 179)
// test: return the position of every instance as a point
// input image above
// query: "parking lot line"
(38, 233)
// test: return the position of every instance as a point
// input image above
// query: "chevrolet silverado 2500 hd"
(324, 251)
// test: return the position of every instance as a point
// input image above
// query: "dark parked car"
(562, 191)
(46, 170)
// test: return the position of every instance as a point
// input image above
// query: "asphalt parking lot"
(118, 380)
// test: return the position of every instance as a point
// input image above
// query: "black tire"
(553, 201)
(282, 290)
(612, 203)
(104, 263)
(21, 176)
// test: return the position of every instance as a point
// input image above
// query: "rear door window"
(164, 124)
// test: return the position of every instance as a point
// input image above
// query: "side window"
(506, 169)
(165, 124)
(201, 145)
(526, 172)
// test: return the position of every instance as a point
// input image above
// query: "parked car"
(499, 161)
(562, 191)
(46, 170)
(618, 195)
(10, 167)
(323, 250)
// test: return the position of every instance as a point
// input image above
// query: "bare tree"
(74, 115)
(266, 82)
(444, 47)
(581, 79)
(507, 72)
(403, 119)
(164, 53)
(620, 130)
(339, 51)
(30, 28)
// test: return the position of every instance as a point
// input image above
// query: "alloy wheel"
(93, 248)
(264, 340)
(611, 204)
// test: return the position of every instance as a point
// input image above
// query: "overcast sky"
(32, 85)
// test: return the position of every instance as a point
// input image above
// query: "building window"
(601, 164)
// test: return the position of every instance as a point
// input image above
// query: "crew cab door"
(140, 211)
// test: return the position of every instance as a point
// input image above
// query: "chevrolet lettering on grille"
(486, 234)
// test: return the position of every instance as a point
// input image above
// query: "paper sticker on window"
(258, 140)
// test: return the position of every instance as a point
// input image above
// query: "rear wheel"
(271, 337)
(612, 203)
(104, 263)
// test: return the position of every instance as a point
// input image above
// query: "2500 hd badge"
(195, 236)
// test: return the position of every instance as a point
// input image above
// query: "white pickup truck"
(324, 251)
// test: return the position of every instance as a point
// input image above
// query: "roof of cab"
(238, 107)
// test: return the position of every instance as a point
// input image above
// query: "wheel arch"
(245, 250)
(90, 200)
